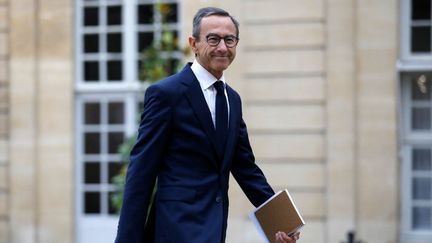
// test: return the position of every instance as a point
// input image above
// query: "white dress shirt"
(206, 81)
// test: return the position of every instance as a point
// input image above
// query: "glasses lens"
(213, 40)
(230, 41)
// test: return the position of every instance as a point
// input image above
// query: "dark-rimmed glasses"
(214, 40)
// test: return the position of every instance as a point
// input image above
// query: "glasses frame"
(224, 38)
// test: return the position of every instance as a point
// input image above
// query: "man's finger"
(285, 237)
(296, 236)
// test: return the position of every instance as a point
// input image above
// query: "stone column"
(41, 139)
(341, 119)
(23, 92)
(378, 180)
(4, 122)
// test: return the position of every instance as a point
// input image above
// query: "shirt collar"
(205, 78)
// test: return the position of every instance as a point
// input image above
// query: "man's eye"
(229, 40)
(213, 39)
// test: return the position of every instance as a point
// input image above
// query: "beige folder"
(279, 213)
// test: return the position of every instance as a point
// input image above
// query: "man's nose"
(222, 45)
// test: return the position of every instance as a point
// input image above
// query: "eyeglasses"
(214, 40)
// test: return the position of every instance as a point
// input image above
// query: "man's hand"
(282, 237)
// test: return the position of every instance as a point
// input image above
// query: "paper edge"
(295, 207)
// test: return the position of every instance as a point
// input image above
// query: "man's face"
(214, 59)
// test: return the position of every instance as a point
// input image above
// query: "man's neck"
(217, 75)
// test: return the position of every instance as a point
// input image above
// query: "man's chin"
(221, 66)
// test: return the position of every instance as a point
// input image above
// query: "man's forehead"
(217, 23)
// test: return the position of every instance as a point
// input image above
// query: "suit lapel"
(233, 121)
(199, 105)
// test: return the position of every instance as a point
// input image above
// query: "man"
(191, 137)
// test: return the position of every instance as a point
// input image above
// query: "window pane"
(92, 143)
(140, 71)
(420, 88)
(92, 173)
(169, 13)
(115, 113)
(91, 71)
(114, 42)
(421, 188)
(421, 159)
(145, 14)
(114, 69)
(114, 15)
(421, 39)
(170, 46)
(145, 39)
(172, 65)
(421, 218)
(92, 202)
(421, 9)
(92, 113)
(91, 43)
(114, 169)
(421, 118)
(115, 139)
(111, 208)
(91, 16)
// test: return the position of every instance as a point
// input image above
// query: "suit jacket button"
(218, 199)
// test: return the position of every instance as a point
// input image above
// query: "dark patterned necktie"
(221, 117)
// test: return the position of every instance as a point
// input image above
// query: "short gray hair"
(210, 11)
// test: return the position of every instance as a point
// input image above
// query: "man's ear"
(192, 44)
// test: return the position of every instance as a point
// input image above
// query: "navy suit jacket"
(176, 145)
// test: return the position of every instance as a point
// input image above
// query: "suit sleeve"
(145, 159)
(247, 173)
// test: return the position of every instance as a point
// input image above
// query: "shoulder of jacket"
(233, 91)
(170, 88)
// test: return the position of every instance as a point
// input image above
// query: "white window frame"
(405, 12)
(409, 64)
(409, 139)
(128, 54)
(408, 61)
(99, 222)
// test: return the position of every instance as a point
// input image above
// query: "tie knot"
(219, 86)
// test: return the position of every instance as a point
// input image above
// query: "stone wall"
(4, 122)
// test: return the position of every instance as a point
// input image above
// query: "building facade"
(336, 95)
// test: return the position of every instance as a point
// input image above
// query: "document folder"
(278, 213)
